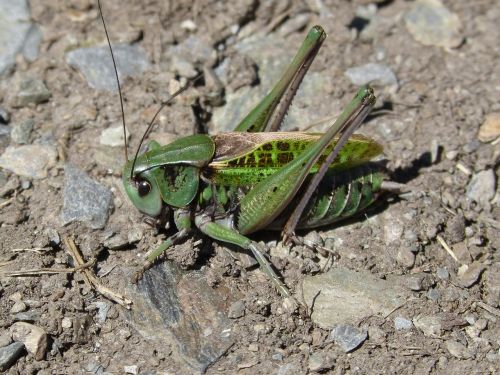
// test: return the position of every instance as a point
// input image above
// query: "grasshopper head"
(143, 190)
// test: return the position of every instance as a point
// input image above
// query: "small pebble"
(432, 24)
(433, 294)
(4, 116)
(405, 257)
(490, 129)
(471, 319)
(462, 253)
(28, 316)
(16, 297)
(472, 332)
(417, 281)
(66, 322)
(471, 274)
(188, 25)
(133, 369)
(33, 337)
(116, 242)
(348, 337)
(442, 273)
(481, 188)
(457, 349)
(469, 232)
(430, 325)
(5, 339)
(401, 323)
(455, 229)
(113, 137)
(125, 334)
(102, 311)
(32, 43)
(10, 354)
(277, 357)
(183, 67)
(316, 362)
(236, 310)
(287, 369)
(259, 328)
(18, 307)
(53, 235)
(30, 91)
(253, 347)
(21, 132)
(367, 11)
(372, 72)
(451, 155)
(135, 235)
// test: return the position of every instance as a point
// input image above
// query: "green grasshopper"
(231, 185)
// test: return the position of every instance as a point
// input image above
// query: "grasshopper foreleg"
(224, 233)
(182, 219)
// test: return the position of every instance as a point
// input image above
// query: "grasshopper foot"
(310, 242)
(138, 275)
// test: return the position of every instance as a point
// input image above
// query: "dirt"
(428, 127)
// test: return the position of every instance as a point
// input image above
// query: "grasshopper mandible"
(231, 185)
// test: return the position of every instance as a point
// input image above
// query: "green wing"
(243, 159)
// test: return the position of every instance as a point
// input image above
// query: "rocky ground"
(415, 287)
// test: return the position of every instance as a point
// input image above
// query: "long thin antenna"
(117, 81)
(163, 105)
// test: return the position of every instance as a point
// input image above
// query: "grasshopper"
(231, 185)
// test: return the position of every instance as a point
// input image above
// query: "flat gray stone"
(32, 42)
(343, 296)
(371, 73)
(432, 24)
(97, 68)
(348, 337)
(84, 199)
(21, 132)
(10, 354)
(173, 306)
(31, 91)
(14, 27)
(193, 50)
(29, 160)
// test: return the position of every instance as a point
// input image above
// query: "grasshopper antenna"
(163, 105)
(117, 81)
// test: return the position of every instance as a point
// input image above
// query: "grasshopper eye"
(143, 188)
